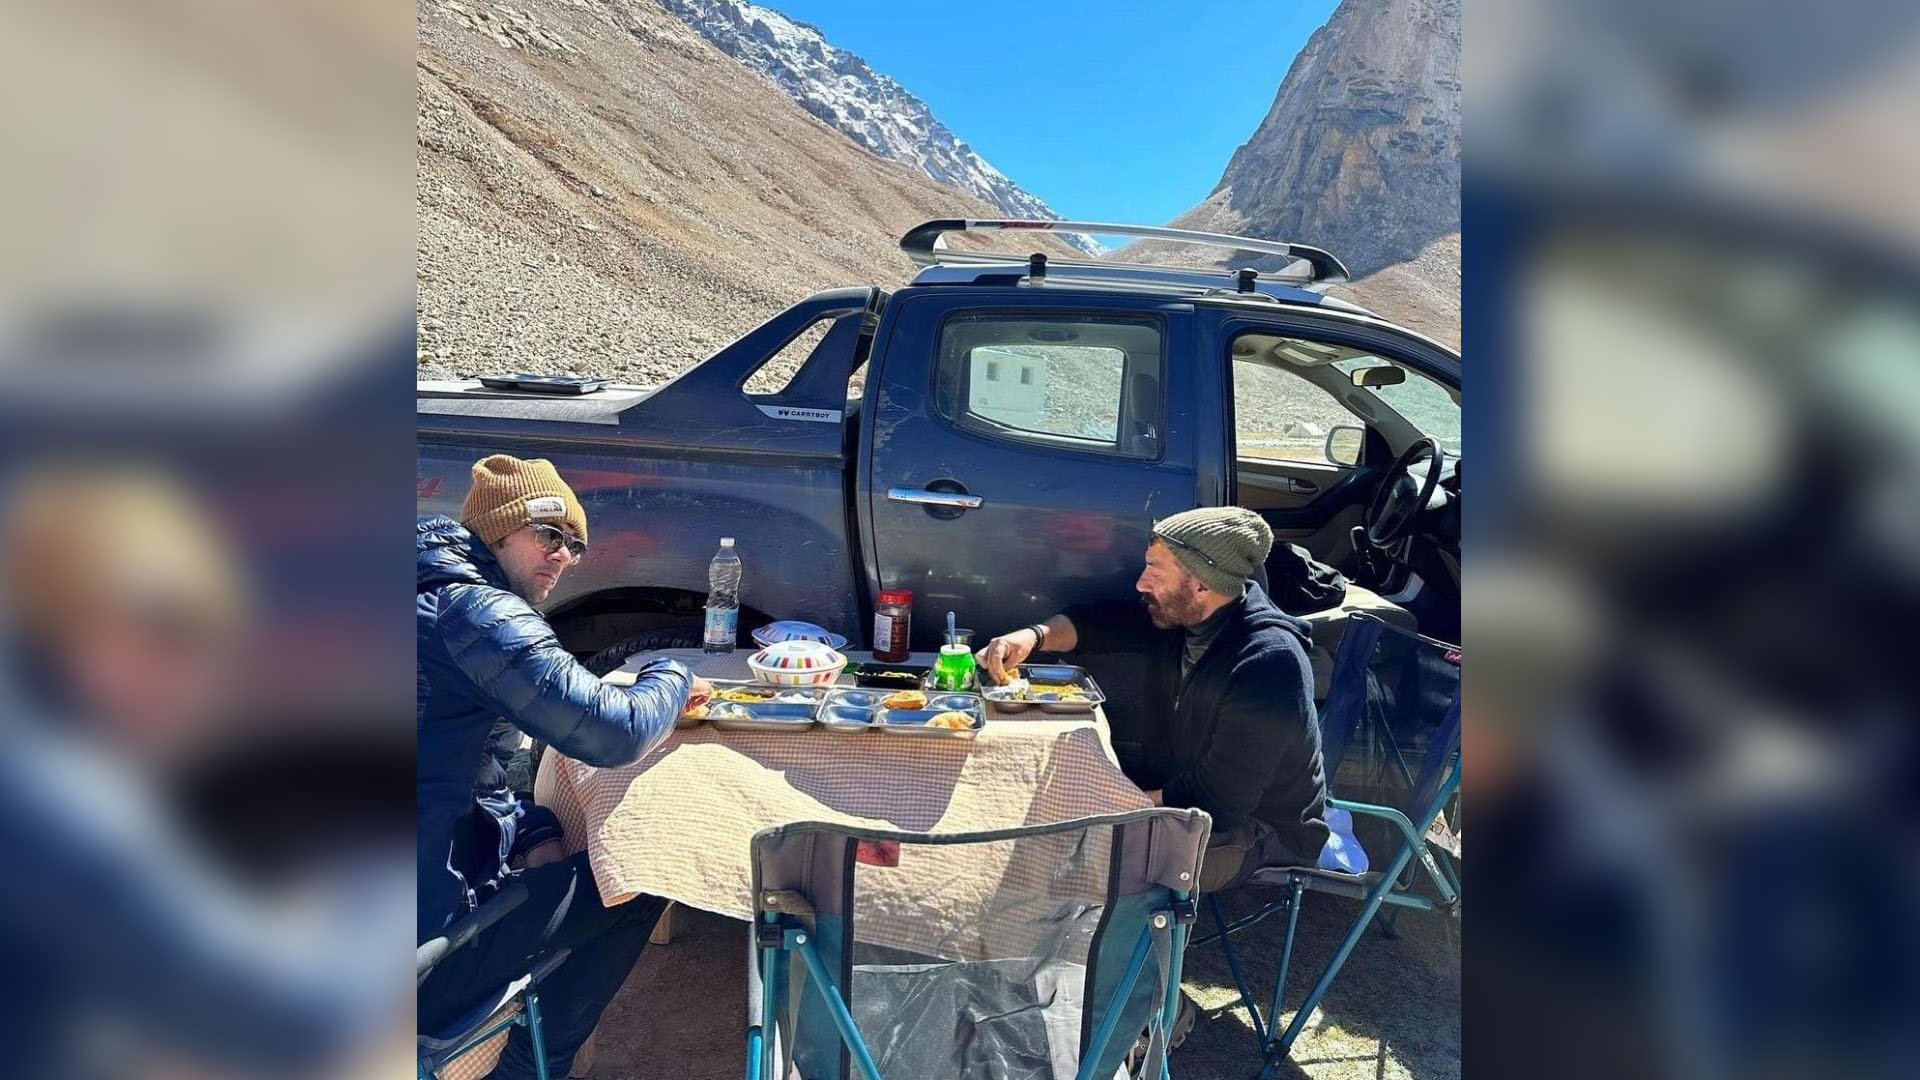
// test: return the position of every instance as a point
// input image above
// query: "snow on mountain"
(844, 93)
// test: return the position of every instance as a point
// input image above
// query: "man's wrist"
(1039, 630)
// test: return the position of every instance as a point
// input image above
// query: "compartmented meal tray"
(763, 707)
(1088, 694)
(852, 711)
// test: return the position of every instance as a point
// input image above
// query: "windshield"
(1424, 403)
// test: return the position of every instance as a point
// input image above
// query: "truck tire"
(666, 637)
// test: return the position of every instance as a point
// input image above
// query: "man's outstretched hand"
(700, 693)
(1002, 656)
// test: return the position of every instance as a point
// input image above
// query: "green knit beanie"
(1220, 545)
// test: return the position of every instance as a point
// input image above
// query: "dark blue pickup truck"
(998, 437)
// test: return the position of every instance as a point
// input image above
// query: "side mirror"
(1379, 375)
(1344, 443)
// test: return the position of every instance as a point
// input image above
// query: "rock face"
(846, 94)
(601, 191)
(1360, 154)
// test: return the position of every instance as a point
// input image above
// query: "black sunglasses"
(1164, 538)
(553, 539)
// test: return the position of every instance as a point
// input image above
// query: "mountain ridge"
(585, 203)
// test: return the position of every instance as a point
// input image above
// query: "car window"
(1076, 382)
(1422, 402)
(1279, 416)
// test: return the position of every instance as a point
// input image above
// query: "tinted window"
(1077, 382)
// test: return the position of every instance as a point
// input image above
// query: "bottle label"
(722, 626)
(883, 633)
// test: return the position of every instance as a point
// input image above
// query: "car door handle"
(1301, 487)
(935, 498)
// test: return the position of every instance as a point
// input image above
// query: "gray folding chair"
(1039, 953)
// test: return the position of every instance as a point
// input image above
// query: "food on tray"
(1023, 690)
(727, 710)
(745, 694)
(1041, 691)
(905, 699)
(952, 720)
(695, 712)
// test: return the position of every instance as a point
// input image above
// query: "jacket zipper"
(1187, 679)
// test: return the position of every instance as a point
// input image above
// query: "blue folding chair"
(1038, 953)
(495, 1011)
(1396, 696)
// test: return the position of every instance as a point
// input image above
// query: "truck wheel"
(665, 637)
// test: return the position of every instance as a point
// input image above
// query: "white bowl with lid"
(797, 663)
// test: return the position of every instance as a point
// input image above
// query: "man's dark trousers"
(562, 911)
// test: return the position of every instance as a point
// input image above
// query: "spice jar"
(892, 625)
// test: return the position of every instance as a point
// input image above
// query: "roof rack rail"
(926, 245)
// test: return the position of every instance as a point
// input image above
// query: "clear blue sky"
(1125, 110)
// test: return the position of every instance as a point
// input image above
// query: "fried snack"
(695, 712)
(904, 699)
(952, 721)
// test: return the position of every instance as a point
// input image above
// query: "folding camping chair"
(1038, 953)
(1397, 694)
(470, 1046)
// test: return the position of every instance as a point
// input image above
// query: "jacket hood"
(447, 554)
(1261, 613)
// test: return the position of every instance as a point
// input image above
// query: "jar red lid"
(896, 596)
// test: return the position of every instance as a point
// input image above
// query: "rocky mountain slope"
(1359, 154)
(846, 94)
(1422, 293)
(587, 202)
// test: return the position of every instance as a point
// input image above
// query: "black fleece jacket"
(1237, 737)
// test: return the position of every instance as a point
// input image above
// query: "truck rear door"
(1018, 447)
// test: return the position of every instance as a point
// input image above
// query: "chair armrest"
(430, 952)
(1415, 839)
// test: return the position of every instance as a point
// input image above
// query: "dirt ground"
(1393, 1012)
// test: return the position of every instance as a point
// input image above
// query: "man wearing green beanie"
(1224, 720)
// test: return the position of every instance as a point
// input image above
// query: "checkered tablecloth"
(678, 822)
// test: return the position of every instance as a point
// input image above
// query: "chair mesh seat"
(1011, 955)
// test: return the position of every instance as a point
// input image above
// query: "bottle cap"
(896, 596)
(726, 541)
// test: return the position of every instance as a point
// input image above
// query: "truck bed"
(466, 397)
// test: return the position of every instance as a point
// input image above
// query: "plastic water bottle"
(723, 599)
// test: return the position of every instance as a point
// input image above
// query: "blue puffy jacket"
(486, 653)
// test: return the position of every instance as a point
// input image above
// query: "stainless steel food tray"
(770, 715)
(853, 711)
(1072, 674)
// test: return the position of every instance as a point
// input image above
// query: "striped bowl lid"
(797, 656)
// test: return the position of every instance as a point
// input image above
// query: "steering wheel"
(1397, 505)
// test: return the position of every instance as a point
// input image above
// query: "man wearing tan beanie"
(485, 653)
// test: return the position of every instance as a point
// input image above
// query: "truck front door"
(1019, 448)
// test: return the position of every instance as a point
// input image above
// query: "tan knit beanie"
(78, 540)
(508, 493)
(1220, 545)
